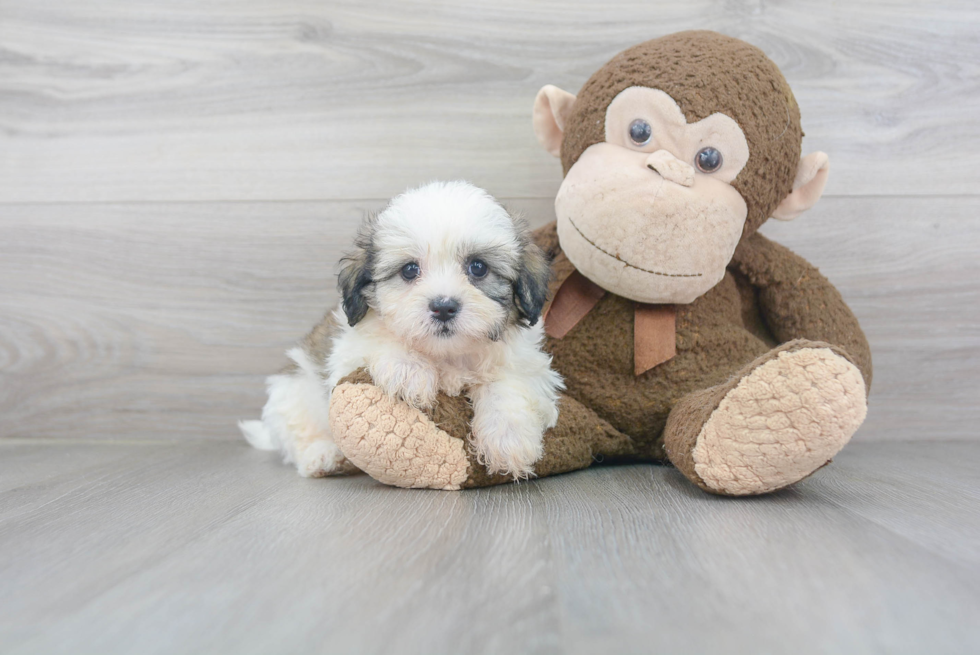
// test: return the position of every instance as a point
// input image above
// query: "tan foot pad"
(394, 443)
(783, 421)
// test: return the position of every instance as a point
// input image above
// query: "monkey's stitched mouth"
(623, 261)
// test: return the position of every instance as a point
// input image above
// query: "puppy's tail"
(258, 435)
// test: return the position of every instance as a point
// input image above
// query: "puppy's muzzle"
(444, 309)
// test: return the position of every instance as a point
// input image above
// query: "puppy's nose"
(444, 309)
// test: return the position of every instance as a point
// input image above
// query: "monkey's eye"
(477, 268)
(410, 271)
(640, 132)
(708, 160)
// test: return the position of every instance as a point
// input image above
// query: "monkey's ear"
(531, 286)
(811, 178)
(354, 278)
(551, 108)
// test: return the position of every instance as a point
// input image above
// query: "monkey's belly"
(596, 360)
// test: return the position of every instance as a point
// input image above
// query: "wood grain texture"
(303, 100)
(160, 321)
(218, 548)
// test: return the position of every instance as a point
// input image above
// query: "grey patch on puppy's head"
(500, 290)
(355, 278)
(519, 272)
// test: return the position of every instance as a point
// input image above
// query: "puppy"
(443, 292)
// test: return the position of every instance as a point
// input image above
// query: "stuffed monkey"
(682, 334)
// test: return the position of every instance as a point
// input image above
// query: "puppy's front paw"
(406, 377)
(506, 444)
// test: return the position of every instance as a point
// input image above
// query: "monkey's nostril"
(670, 168)
(444, 309)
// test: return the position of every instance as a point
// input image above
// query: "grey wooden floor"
(216, 548)
(177, 182)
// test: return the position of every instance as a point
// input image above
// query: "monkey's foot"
(774, 425)
(393, 442)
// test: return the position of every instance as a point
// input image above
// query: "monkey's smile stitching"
(620, 259)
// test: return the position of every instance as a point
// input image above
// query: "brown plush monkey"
(681, 333)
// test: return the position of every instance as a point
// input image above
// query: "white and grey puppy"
(443, 292)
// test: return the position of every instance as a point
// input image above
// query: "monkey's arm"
(798, 302)
(404, 447)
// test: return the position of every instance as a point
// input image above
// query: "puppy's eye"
(411, 271)
(640, 132)
(708, 160)
(477, 268)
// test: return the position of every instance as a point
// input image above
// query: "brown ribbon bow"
(654, 326)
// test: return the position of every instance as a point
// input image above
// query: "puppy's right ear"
(355, 278)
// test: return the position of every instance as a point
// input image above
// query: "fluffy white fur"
(490, 350)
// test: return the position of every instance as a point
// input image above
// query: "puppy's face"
(445, 266)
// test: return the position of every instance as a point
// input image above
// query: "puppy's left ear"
(355, 278)
(531, 286)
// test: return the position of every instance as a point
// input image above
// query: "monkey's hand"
(405, 447)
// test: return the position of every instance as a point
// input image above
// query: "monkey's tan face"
(650, 214)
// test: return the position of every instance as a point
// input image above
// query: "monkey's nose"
(444, 309)
(671, 168)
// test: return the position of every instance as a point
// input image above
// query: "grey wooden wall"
(178, 179)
